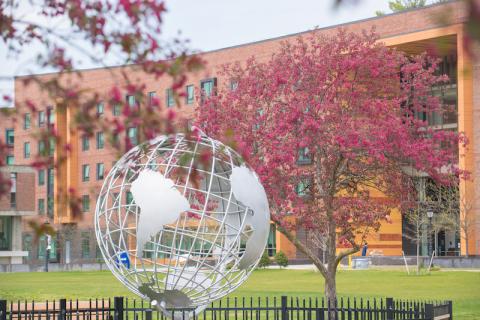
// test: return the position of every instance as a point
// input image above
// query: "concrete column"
(17, 233)
(469, 157)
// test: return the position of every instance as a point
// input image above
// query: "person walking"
(364, 249)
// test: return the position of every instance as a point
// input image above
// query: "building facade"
(90, 158)
(14, 208)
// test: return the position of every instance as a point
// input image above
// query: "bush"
(264, 261)
(281, 259)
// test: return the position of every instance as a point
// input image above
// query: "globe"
(181, 221)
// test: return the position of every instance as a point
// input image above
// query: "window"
(9, 137)
(85, 143)
(148, 250)
(98, 252)
(51, 146)
(10, 160)
(50, 181)
(85, 245)
(233, 85)
(272, 241)
(117, 110)
(129, 197)
(132, 135)
(85, 203)
(41, 177)
(115, 138)
(13, 200)
(50, 206)
(26, 150)
(115, 198)
(5, 233)
(51, 115)
(151, 98)
(100, 171)
(41, 148)
(100, 109)
(85, 172)
(303, 187)
(208, 87)
(190, 94)
(41, 206)
(13, 190)
(131, 102)
(27, 245)
(42, 246)
(170, 98)
(27, 121)
(41, 118)
(304, 156)
(100, 140)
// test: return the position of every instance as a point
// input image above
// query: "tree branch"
(303, 248)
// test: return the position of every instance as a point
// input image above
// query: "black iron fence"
(283, 308)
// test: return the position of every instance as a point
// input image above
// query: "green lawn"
(461, 287)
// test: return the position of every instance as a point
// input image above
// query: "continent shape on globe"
(160, 204)
(247, 189)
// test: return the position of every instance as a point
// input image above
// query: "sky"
(214, 24)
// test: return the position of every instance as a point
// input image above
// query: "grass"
(460, 286)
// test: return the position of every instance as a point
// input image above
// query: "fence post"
(3, 309)
(450, 309)
(62, 314)
(148, 314)
(284, 308)
(390, 307)
(429, 314)
(118, 306)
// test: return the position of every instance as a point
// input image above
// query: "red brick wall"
(25, 192)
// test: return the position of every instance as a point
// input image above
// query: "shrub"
(264, 261)
(281, 259)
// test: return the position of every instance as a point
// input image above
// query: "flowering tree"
(330, 125)
(125, 33)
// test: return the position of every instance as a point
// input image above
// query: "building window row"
(48, 203)
(100, 174)
(44, 117)
(45, 205)
(132, 134)
(208, 87)
(41, 148)
(86, 201)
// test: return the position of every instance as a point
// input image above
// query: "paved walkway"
(391, 268)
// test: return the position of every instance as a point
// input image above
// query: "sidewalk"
(383, 268)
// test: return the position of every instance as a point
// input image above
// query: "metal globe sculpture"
(182, 221)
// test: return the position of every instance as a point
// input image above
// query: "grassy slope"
(461, 287)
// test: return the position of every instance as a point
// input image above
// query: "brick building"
(18, 203)
(412, 31)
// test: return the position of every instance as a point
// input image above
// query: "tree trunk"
(418, 257)
(466, 243)
(331, 294)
